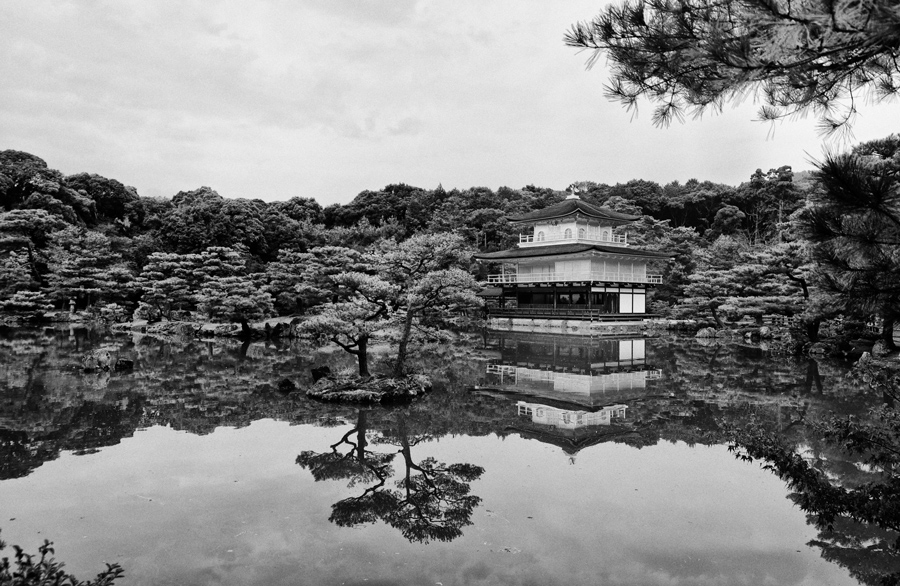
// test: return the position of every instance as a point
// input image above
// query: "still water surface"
(535, 460)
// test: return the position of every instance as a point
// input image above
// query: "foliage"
(202, 219)
(426, 272)
(362, 308)
(819, 55)
(82, 267)
(30, 303)
(112, 200)
(233, 298)
(168, 282)
(431, 500)
(227, 292)
(711, 284)
(28, 227)
(15, 272)
(858, 514)
(311, 275)
(853, 224)
(43, 570)
(283, 278)
(767, 201)
(27, 183)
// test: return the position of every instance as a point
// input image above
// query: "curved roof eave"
(569, 207)
(561, 249)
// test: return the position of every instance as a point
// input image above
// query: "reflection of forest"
(678, 390)
(47, 404)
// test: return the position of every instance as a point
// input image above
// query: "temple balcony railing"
(578, 312)
(526, 240)
(573, 276)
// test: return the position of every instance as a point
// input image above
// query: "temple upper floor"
(572, 221)
(572, 231)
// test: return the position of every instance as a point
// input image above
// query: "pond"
(536, 459)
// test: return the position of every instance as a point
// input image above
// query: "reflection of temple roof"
(575, 205)
(558, 249)
(573, 443)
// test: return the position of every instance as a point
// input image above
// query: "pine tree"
(82, 266)
(853, 223)
(168, 283)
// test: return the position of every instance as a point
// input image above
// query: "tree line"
(812, 245)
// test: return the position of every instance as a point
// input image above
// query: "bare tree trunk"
(362, 355)
(400, 365)
(715, 314)
(887, 333)
(361, 437)
(812, 329)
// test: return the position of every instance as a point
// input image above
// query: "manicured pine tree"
(168, 282)
(227, 292)
(83, 267)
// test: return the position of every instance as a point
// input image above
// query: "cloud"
(168, 95)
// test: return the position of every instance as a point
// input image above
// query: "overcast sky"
(325, 98)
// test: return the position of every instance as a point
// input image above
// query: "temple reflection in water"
(566, 419)
(569, 391)
(589, 372)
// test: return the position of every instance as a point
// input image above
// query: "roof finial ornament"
(573, 189)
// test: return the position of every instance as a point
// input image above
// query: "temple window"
(605, 235)
(540, 236)
(568, 233)
(581, 232)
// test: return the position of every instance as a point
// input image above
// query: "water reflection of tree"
(846, 481)
(869, 553)
(431, 500)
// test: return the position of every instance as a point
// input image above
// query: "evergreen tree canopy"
(853, 222)
(815, 55)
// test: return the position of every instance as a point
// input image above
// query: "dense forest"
(87, 242)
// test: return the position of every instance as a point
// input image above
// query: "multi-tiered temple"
(572, 265)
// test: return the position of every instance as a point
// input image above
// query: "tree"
(767, 201)
(358, 464)
(202, 218)
(30, 228)
(15, 273)
(43, 569)
(363, 309)
(853, 223)
(83, 267)
(311, 275)
(227, 292)
(426, 271)
(819, 55)
(728, 221)
(283, 277)
(711, 285)
(235, 298)
(169, 282)
(858, 518)
(418, 278)
(430, 501)
(113, 200)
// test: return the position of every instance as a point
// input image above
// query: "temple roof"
(558, 249)
(572, 205)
